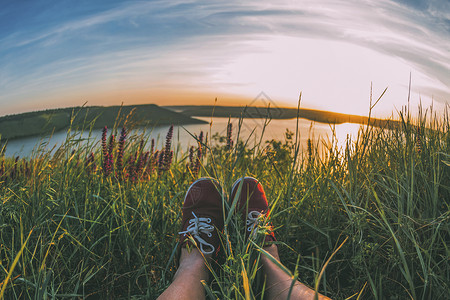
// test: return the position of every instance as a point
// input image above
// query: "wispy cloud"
(192, 42)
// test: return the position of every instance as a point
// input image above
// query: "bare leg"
(278, 282)
(187, 281)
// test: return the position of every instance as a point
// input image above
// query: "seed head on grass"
(2, 168)
(145, 165)
(141, 146)
(197, 165)
(309, 149)
(90, 165)
(13, 173)
(201, 143)
(3, 148)
(205, 149)
(27, 169)
(419, 145)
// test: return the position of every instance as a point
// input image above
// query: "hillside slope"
(44, 122)
(278, 113)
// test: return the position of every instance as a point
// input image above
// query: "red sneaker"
(252, 202)
(203, 215)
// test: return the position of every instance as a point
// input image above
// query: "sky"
(65, 53)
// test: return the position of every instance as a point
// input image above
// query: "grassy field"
(100, 221)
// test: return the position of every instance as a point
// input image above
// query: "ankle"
(187, 282)
(194, 262)
(192, 257)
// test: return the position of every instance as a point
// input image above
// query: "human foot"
(253, 205)
(202, 216)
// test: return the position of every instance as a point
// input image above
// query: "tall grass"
(100, 220)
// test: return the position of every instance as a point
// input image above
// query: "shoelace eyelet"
(198, 226)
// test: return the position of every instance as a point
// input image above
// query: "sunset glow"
(177, 52)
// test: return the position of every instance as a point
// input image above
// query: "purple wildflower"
(309, 149)
(153, 161)
(166, 162)
(191, 157)
(161, 162)
(141, 163)
(104, 150)
(169, 138)
(164, 159)
(200, 137)
(119, 162)
(196, 169)
(109, 158)
(153, 146)
(229, 134)
(169, 160)
(111, 144)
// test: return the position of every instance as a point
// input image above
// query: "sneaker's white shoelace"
(200, 225)
(253, 219)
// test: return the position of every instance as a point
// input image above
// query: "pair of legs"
(193, 270)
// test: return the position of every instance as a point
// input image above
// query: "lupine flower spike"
(161, 162)
(191, 158)
(198, 161)
(104, 150)
(119, 162)
(167, 149)
(229, 134)
(154, 160)
(131, 166)
(164, 160)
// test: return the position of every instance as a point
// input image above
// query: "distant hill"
(278, 113)
(46, 121)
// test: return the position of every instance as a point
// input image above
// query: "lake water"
(251, 129)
